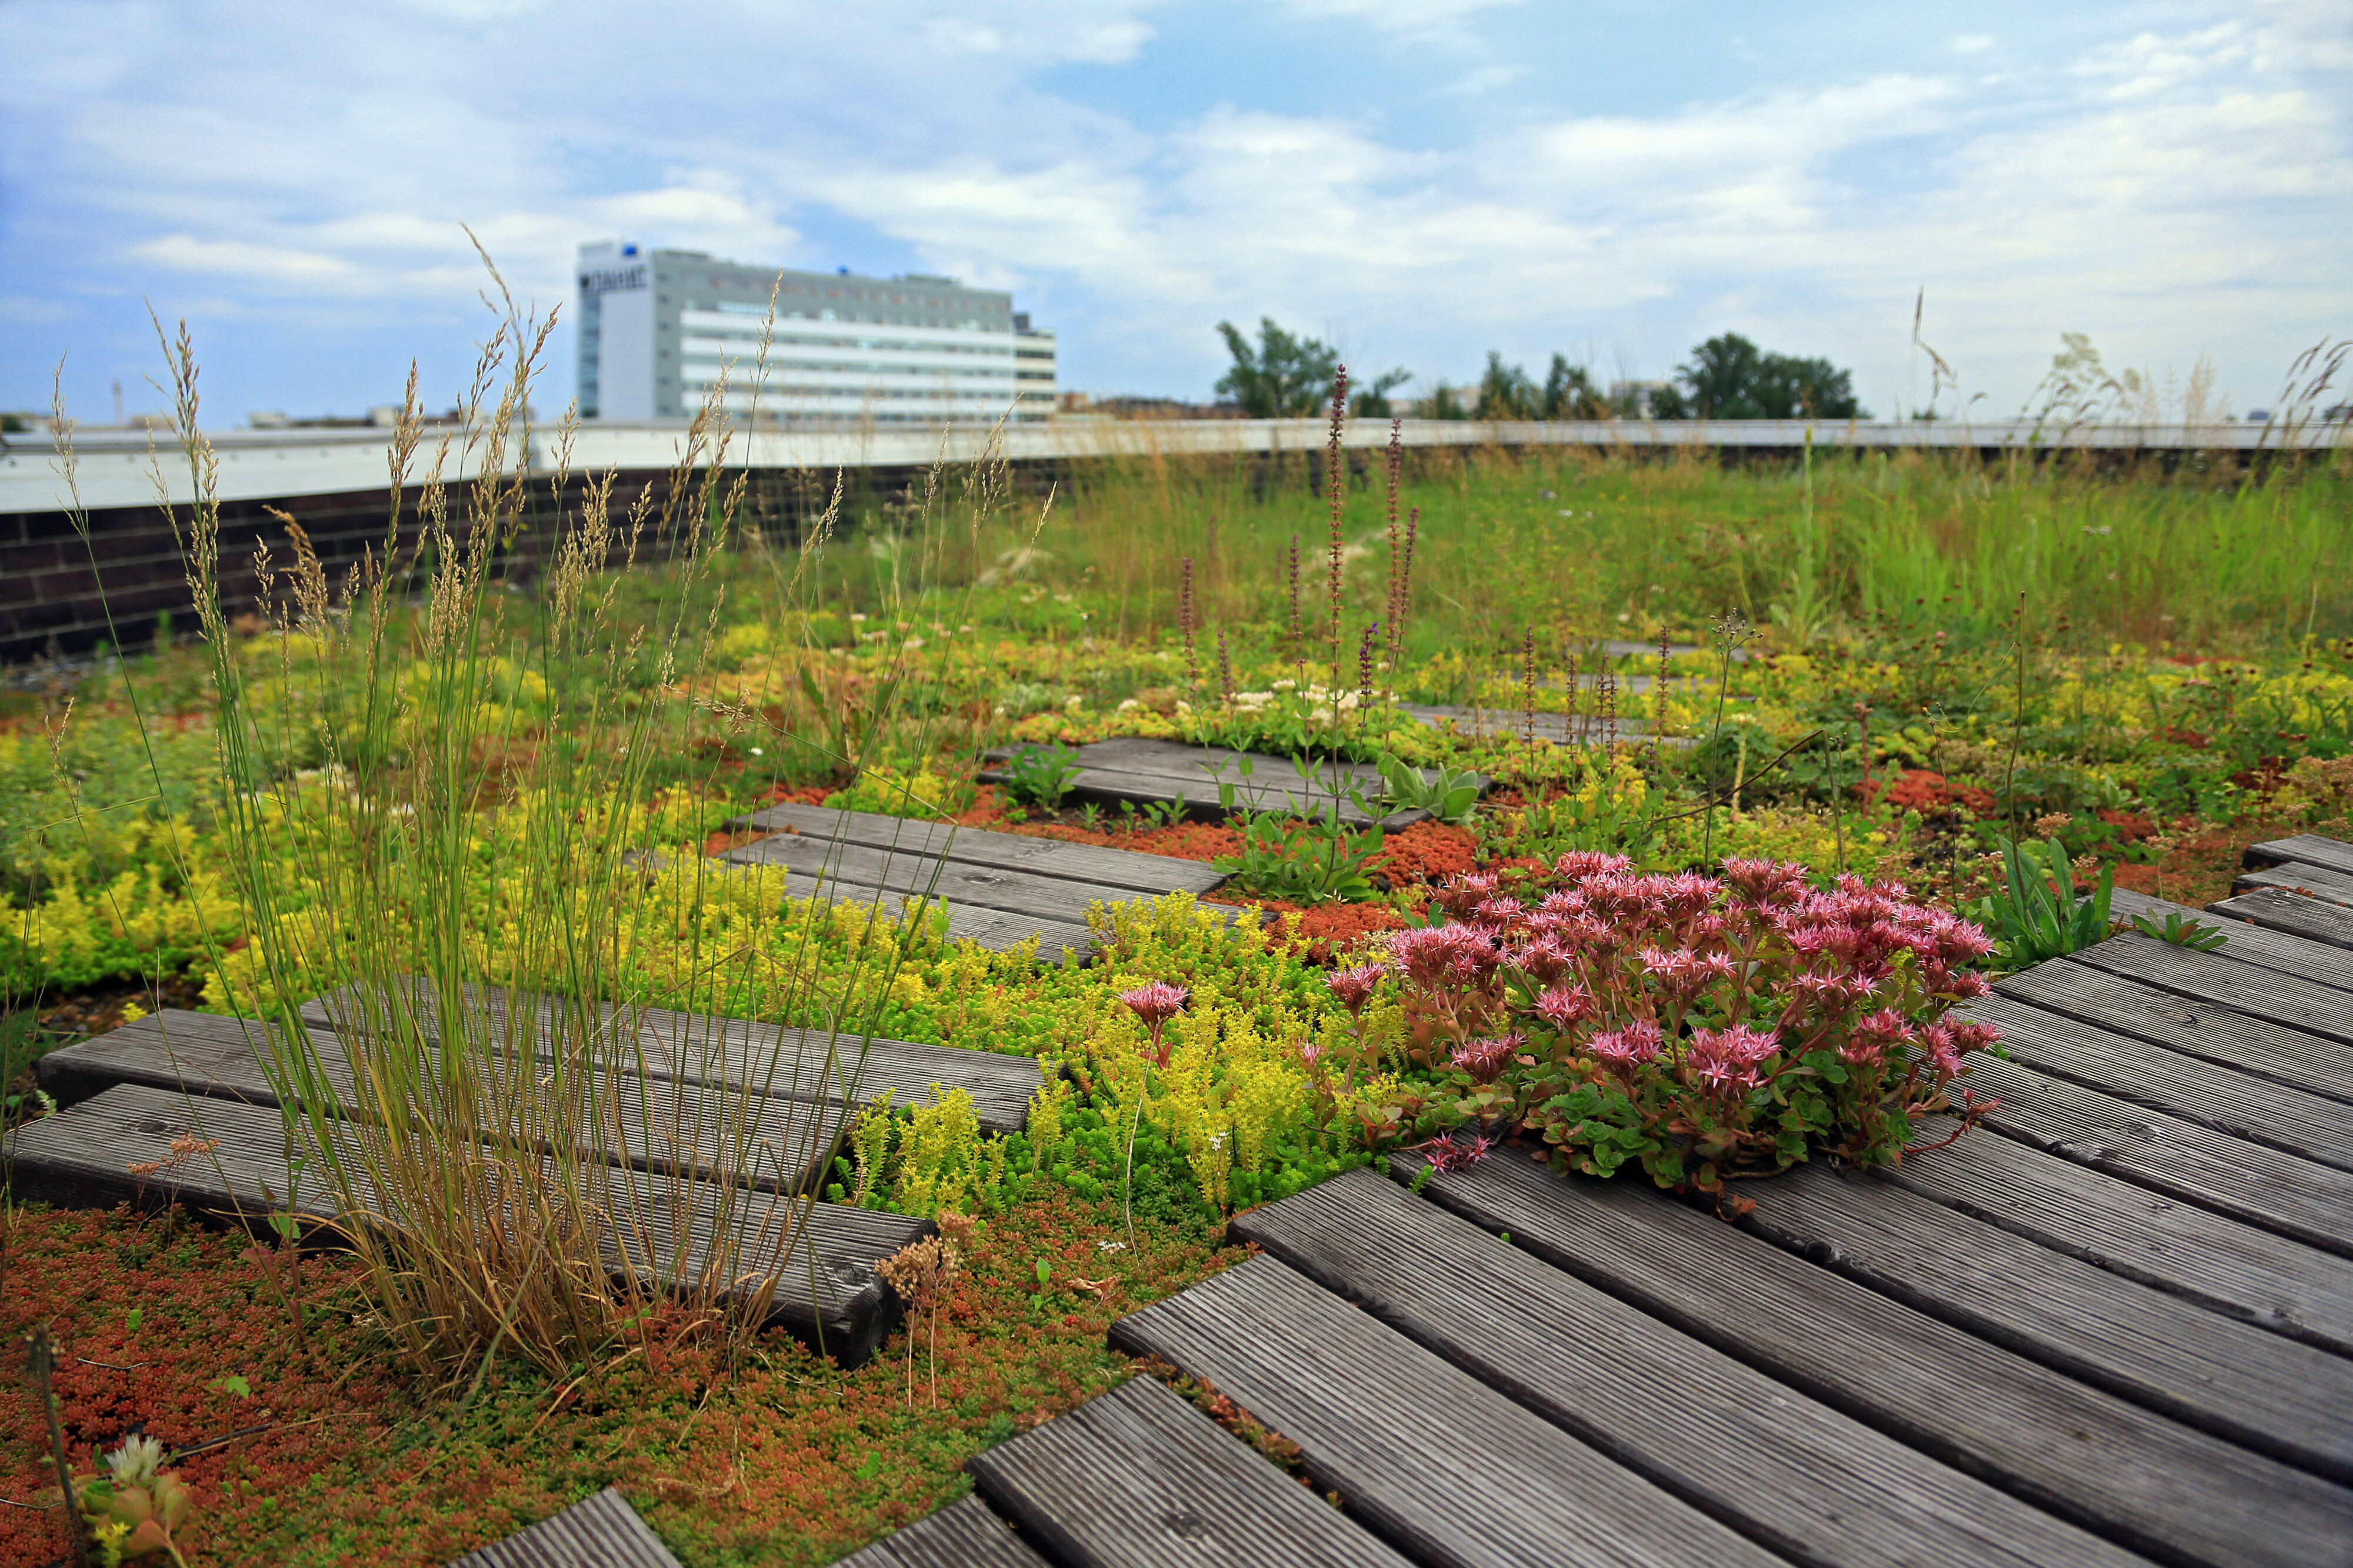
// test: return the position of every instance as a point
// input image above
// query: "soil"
(321, 1447)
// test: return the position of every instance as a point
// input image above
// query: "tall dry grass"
(466, 878)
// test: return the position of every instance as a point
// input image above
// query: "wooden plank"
(2257, 1389)
(651, 1123)
(2177, 1494)
(2258, 1110)
(2315, 919)
(2305, 848)
(2307, 984)
(2299, 1198)
(964, 1534)
(211, 1054)
(768, 1059)
(2261, 946)
(1811, 1484)
(2123, 1004)
(1446, 1470)
(2335, 886)
(1106, 786)
(80, 1158)
(1138, 1476)
(2127, 1229)
(993, 929)
(1051, 899)
(601, 1531)
(1130, 868)
(1137, 769)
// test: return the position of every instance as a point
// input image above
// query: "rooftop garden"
(1746, 778)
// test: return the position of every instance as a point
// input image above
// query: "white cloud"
(252, 263)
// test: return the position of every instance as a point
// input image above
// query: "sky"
(1415, 181)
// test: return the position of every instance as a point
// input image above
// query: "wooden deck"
(602, 1532)
(999, 890)
(1139, 772)
(2113, 1326)
(128, 1094)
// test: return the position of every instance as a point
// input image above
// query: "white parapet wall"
(115, 468)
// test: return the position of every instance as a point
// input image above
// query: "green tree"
(1283, 377)
(1569, 394)
(1444, 403)
(1372, 399)
(1728, 377)
(1504, 392)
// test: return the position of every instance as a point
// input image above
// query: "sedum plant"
(1704, 1028)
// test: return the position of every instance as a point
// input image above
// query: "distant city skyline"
(1415, 181)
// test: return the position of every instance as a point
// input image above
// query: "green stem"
(1127, 1185)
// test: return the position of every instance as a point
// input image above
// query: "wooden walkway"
(1177, 773)
(130, 1094)
(999, 890)
(2113, 1326)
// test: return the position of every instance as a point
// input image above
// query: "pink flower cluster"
(1710, 986)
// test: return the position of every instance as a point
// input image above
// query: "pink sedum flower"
(1353, 987)
(1565, 1006)
(1484, 1059)
(1158, 1003)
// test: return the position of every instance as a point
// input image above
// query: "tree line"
(1285, 374)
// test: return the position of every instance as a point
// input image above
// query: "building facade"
(661, 332)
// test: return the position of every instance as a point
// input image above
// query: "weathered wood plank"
(2299, 1198)
(2192, 1026)
(1446, 1470)
(2260, 1390)
(601, 1531)
(2261, 946)
(1107, 787)
(995, 929)
(1133, 768)
(2335, 886)
(210, 1054)
(2257, 1108)
(1050, 899)
(2315, 919)
(1128, 868)
(1813, 1484)
(2163, 1488)
(668, 1226)
(661, 1124)
(2262, 974)
(767, 1058)
(964, 1534)
(2177, 1247)
(84, 1158)
(2305, 848)
(1139, 1478)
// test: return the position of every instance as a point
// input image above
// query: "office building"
(659, 330)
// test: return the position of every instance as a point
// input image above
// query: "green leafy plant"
(2181, 931)
(1309, 859)
(1612, 811)
(1154, 814)
(2039, 913)
(1449, 797)
(1041, 775)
